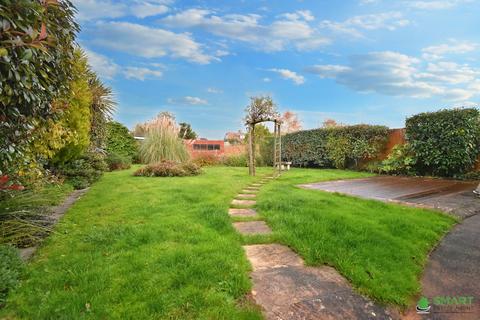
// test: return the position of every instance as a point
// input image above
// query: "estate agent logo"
(423, 306)
(445, 304)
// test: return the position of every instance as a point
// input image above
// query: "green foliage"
(11, 268)
(101, 109)
(120, 141)
(36, 67)
(169, 169)
(83, 171)
(339, 147)
(186, 131)
(237, 160)
(205, 160)
(117, 161)
(77, 116)
(401, 160)
(266, 151)
(162, 143)
(445, 143)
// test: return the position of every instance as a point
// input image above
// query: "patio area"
(452, 196)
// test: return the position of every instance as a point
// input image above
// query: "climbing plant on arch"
(262, 109)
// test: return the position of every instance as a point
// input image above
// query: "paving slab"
(246, 195)
(252, 188)
(254, 191)
(252, 227)
(256, 184)
(286, 289)
(242, 212)
(243, 202)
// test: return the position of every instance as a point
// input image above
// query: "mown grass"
(380, 248)
(143, 248)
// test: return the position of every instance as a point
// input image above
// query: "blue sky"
(357, 61)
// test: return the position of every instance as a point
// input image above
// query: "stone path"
(287, 289)
(56, 213)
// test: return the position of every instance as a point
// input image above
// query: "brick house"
(201, 147)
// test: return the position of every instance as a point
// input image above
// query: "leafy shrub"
(473, 175)
(266, 151)
(307, 148)
(169, 169)
(117, 161)
(445, 143)
(162, 143)
(239, 160)
(401, 160)
(340, 147)
(84, 171)
(205, 160)
(11, 268)
(120, 141)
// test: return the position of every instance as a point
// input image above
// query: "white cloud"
(141, 73)
(102, 65)
(267, 79)
(146, 9)
(106, 68)
(396, 74)
(139, 40)
(452, 47)
(109, 9)
(436, 4)
(291, 29)
(289, 75)
(187, 100)
(214, 90)
(356, 25)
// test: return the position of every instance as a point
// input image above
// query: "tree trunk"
(250, 152)
(252, 136)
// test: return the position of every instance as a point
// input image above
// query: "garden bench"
(285, 165)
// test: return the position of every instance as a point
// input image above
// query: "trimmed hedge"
(340, 147)
(444, 143)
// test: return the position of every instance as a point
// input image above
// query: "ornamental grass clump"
(162, 143)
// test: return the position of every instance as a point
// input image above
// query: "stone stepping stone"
(256, 184)
(246, 195)
(243, 202)
(242, 212)
(252, 227)
(287, 289)
(250, 191)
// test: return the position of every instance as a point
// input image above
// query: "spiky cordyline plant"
(162, 143)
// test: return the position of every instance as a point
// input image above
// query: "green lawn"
(143, 248)
(381, 248)
(164, 248)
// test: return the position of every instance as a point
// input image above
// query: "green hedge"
(444, 143)
(340, 147)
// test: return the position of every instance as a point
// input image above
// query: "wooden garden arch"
(263, 109)
(277, 144)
